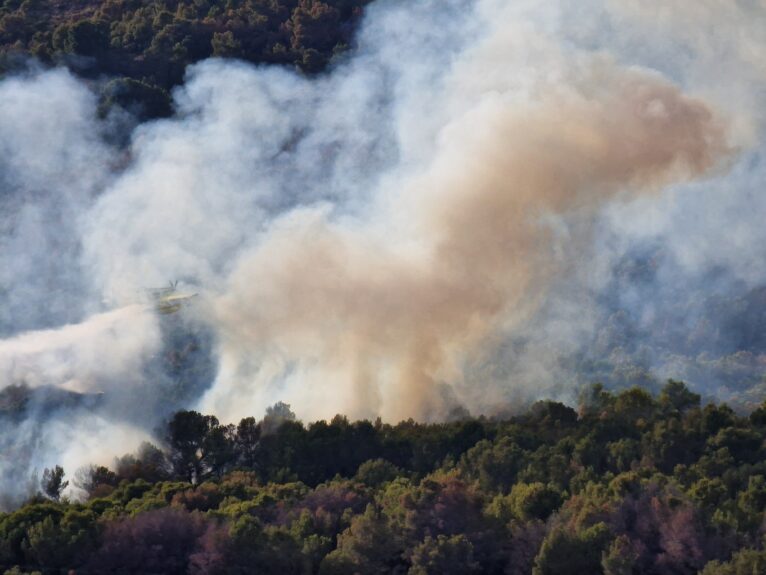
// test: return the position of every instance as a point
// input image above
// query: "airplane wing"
(167, 300)
(179, 297)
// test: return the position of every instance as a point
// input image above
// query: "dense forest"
(642, 476)
(143, 47)
(628, 483)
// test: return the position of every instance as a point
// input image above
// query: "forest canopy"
(626, 483)
(145, 47)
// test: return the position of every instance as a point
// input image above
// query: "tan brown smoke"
(383, 316)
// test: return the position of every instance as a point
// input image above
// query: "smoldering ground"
(472, 208)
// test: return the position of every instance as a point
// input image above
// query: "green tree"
(677, 397)
(247, 439)
(95, 479)
(620, 558)
(87, 38)
(376, 472)
(444, 556)
(53, 483)
(143, 99)
(199, 445)
(566, 553)
(525, 502)
(276, 415)
(368, 546)
(224, 44)
(743, 562)
(52, 544)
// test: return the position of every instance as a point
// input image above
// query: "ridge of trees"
(629, 483)
(145, 46)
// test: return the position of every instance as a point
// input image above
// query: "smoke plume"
(389, 317)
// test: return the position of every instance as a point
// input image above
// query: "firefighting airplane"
(168, 299)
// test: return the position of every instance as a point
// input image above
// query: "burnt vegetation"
(627, 483)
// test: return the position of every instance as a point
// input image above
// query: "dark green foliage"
(444, 556)
(199, 446)
(568, 553)
(84, 38)
(676, 396)
(53, 482)
(369, 545)
(527, 501)
(630, 484)
(744, 562)
(143, 99)
(376, 472)
(147, 45)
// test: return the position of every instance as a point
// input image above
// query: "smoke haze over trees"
(412, 210)
(146, 46)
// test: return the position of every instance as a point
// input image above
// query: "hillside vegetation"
(145, 46)
(628, 483)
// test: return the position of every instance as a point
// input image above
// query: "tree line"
(145, 46)
(627, 483)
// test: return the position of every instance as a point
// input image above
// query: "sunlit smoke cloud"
(347, 303)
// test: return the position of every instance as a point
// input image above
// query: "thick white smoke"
(379, 239)
(98, 353)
